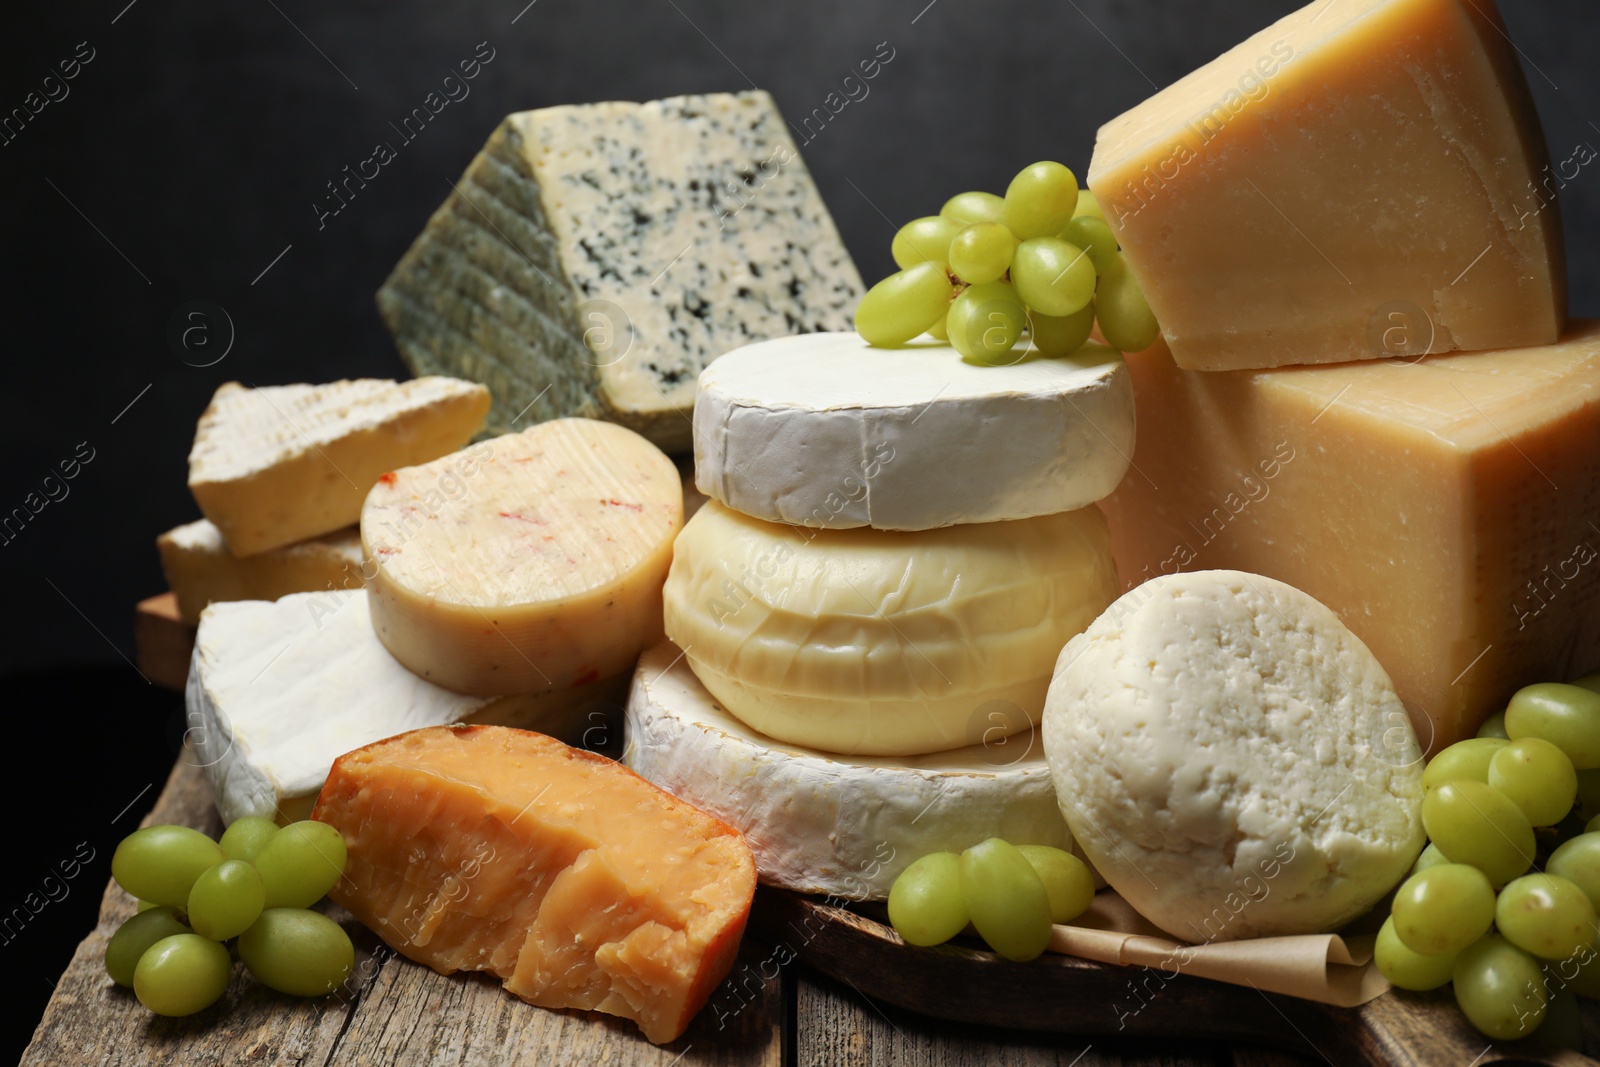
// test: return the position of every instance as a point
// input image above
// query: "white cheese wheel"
(823, 430)
(1233, 759)
(528, 562)
(878, 642)
(820, 824)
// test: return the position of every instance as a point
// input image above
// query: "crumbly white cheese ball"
(1233, 759)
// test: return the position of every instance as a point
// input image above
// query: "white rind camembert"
(200, 570)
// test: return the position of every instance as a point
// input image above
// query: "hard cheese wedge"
(201, 570)
(1448, 510)
(563, 873)
(1363, 178)
(824, 430)
(283, 463)
(594, 258)
(532, 561)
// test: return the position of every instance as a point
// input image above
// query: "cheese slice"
(821, 824)
(1362, 178)
(1448, 509)
(279, 690)
(884, 643)
(284, 463)
(200, 570)
(594, 258)
(824, 430)
(532, 561)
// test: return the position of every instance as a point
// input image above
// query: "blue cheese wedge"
(594, 258)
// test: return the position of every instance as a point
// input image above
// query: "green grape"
(1578, 861)
(1464, 759)
(1407, 969)
(1087, 205)
(297, 951)
(1494, 726)
(985, 323)
(1040, 201)
(1589, 827)
(1579, 974)
(924, 240)
(146, 905)
(1052, 276)
(1538, 778)
(1091, 234)
(904, 304)
(1563, 1023)
(226, 900)
(1568, 716)
(1431, 857)
(244, 838)
(1442, 910)
(1589, 792)
(968, 208)
(301, 863)
(1063, 335)
(982, 252)
(1499, 988)
(940, 330)
(134, 937)
(1006, 899)
(160, 863)
(1126, 321)
(1067, 880)
(925, 901)
(182, 974)
(1477, 825)
(1546, 915)
(1590, 682)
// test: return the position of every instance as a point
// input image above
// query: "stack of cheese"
(865, 615)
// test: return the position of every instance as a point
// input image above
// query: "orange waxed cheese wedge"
(561, 872)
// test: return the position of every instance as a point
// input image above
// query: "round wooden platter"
(1066, 995)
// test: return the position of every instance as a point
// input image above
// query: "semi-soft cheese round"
(821, 824)
(1233, 759)
(527, 562)
(878, 642)
(824, 430)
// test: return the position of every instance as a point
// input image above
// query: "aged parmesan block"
(200, 570)
(594, 258)
(284, 463)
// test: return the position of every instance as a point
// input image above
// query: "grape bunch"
(1516, 938)
(987, 269)
(252, 888)
(1010, 894)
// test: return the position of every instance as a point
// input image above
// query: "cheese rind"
(824, 430)
(594, 258)
(200, 570)
(528, 562)
(283, 463)
(1361, 179)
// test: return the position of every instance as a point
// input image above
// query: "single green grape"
(160, 863)
(1090, 233)
(968, 208)
(245, 836)
(1408, 969)
(295, 951)
(1067, 880)
(1052, 276)
(1568, 716)
(1087, 205)
(226, 900)
(1040, 201)
(1006, 899)
(1475, 824)
(301, 863)
(1500, 988)
(1431, 857)
(924, 240)
(1442, 910)
(1538, 778)
(1589, 792)
(1592, 825)
(904, 304)
(1126, 320)
(925, 904)
(146, 905)
(1063, 335)
(1464, 759)
(1578, 861)
(182, 974)
(1494, 726)
(134, 938)
(985, 322)
(940, 330)
(1563, 1023)
(1545, 915)
(982, 252)
(1580, 973)
(1590, 682)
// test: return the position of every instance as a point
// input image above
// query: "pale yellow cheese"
(1360, 179)
(527, 562)
(200, 570)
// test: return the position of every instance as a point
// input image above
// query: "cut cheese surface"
(594, 258)
(284, 463)
(528, 562)
(821, 824)
(1447, 509)
(878, 642)
(824, 430)
(200, 570)
(561, 872)
(1361, 179)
